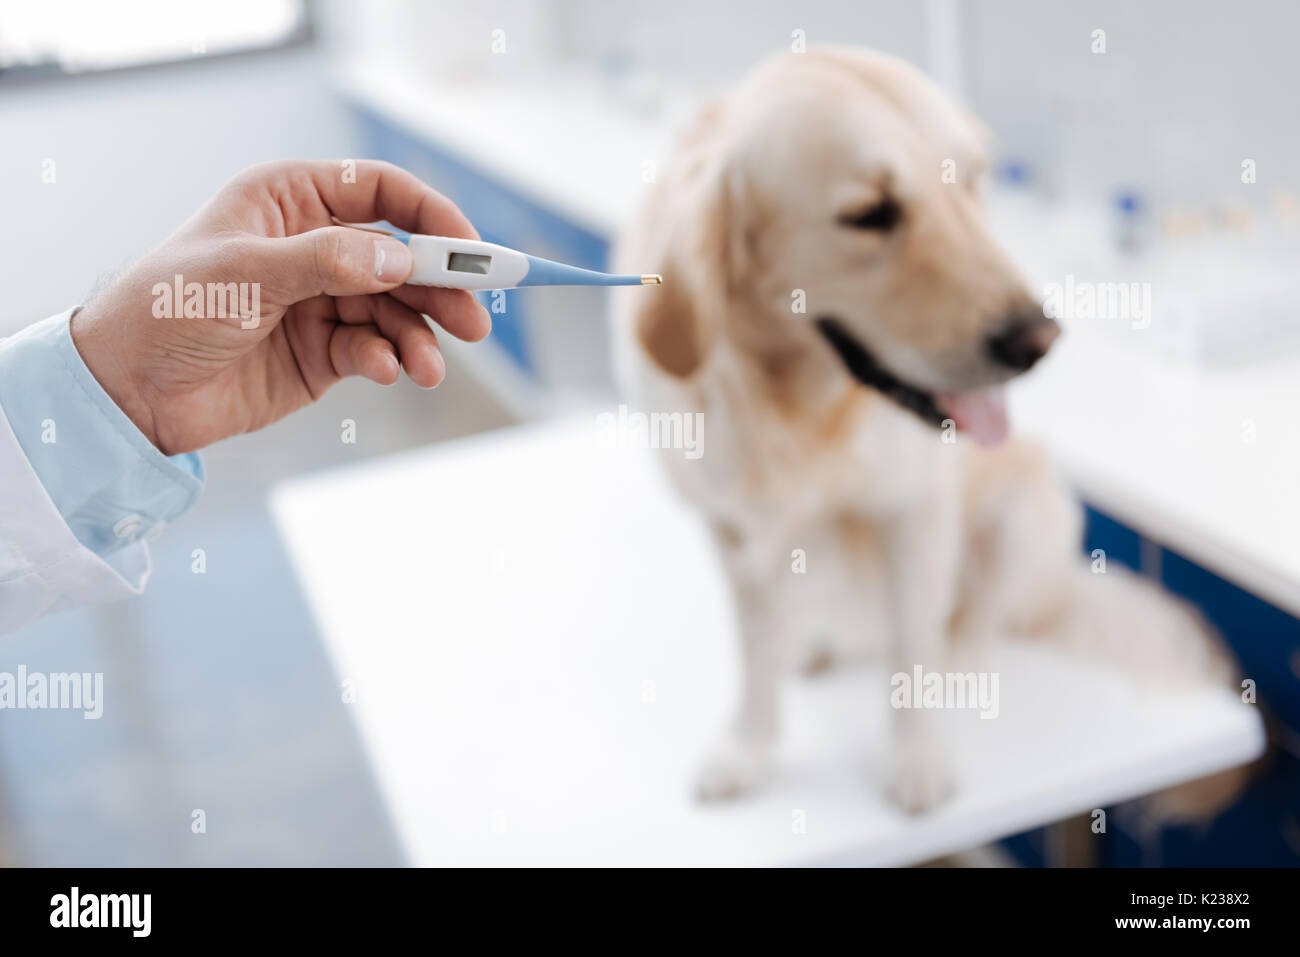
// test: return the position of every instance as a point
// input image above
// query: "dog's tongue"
(981, 413)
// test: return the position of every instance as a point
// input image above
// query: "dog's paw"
(920, 783)
(736, 768)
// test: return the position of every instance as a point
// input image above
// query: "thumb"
(333, 260)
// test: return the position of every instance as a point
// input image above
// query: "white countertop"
(564, 143)
(1199, 454)
(1205, 462)
(541, 650)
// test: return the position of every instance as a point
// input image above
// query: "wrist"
(100, 347)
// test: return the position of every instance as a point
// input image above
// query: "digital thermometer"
(474, 264)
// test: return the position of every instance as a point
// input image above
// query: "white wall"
(1185, 91)
(136, 153)
(707, 44)
(697, 44)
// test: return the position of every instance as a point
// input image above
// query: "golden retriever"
(834, 305)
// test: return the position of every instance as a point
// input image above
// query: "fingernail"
(441, 366)
(392, 259)
(390, 363)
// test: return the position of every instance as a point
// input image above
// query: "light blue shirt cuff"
(110, 483)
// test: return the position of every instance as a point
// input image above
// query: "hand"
(330, 303)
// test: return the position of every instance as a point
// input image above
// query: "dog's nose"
(1024, 341)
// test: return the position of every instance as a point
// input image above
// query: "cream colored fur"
(914, 542)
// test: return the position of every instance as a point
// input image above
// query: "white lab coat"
(43, 568)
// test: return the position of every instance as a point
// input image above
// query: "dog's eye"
(881, 217)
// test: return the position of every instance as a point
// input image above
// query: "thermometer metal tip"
(651, 279)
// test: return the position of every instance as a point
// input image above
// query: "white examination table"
(539, 642)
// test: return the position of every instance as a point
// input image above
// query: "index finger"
(360, 191)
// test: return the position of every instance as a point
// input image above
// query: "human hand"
(330, 302)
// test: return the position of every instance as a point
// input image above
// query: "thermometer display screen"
(468, 262)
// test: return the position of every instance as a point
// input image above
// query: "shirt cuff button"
(128, 527)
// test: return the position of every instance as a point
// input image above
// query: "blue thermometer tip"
(544, 272)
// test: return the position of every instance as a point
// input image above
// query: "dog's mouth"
(980, 412)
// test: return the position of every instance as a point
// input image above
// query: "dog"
(835, 306)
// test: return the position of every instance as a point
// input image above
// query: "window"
(74, 36)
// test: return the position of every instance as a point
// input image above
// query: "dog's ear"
(703, 257)
(669, 329)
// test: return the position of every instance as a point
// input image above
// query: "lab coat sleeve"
(81, 488)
